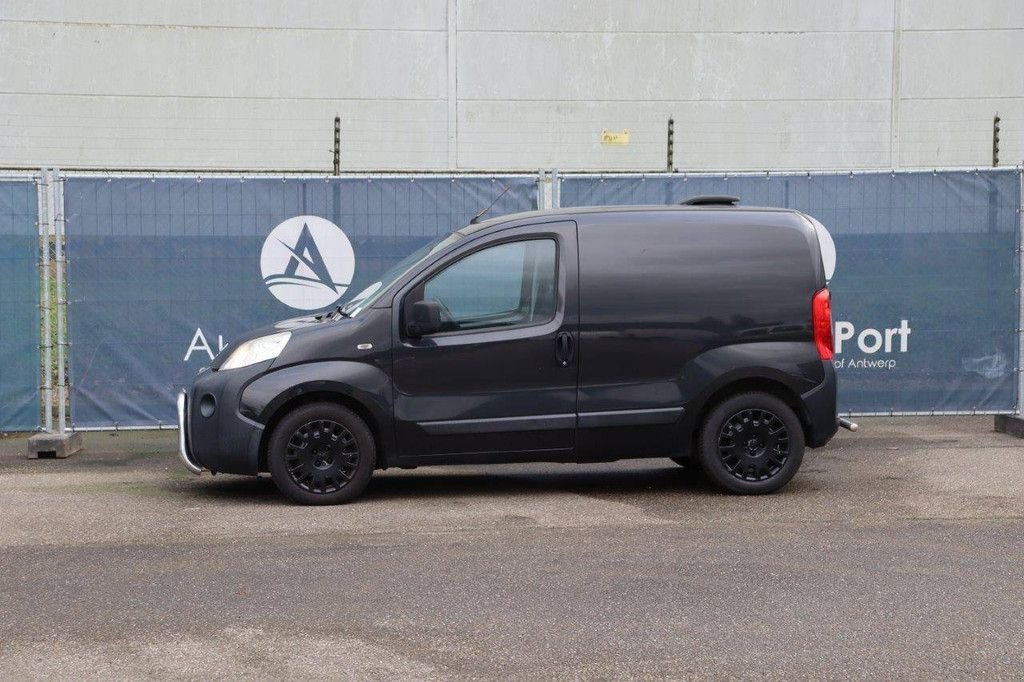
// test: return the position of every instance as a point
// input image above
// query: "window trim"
(416, 289)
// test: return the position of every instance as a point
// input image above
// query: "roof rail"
(711, 200)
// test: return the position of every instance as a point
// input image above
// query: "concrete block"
(54, 445)
(1012, 424)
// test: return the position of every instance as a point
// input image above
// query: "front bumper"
(217, 437)
(183, 446)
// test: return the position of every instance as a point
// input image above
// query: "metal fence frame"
(50, 198)
(52, 233)
(543, 179)
(1020, 293)
(557, 195)
(44, 223)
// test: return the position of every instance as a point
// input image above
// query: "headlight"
(257, 350)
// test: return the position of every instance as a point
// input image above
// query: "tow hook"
(847, 424)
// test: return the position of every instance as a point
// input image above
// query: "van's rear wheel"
(751, 444)
(321, 453)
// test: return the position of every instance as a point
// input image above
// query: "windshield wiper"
(328, 315)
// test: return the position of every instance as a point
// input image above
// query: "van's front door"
(495, 376)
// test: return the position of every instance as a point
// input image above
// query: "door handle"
(565, 348)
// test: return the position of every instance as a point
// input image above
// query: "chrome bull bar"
(183, 452)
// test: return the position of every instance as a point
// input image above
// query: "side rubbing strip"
(539, 422)
(661, 415)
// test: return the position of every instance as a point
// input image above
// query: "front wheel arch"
(298, 401)
(321, 453)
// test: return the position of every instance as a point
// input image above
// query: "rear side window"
(506, 285)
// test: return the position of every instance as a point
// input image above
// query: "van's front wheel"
(751, 444)
(321, 453)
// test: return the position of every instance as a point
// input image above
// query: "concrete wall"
(492, 84)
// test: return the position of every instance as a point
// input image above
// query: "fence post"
(995, 141)
(1020, 291)
(50, 443)
(46, 340)
(57, 183)
(337, 145)
(544, 189)
(670, 166)
(1014, 424)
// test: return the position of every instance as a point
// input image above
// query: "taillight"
(821, 320)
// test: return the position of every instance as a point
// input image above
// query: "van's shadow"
(396, 484)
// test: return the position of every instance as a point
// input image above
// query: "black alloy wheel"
(751, 443)
(321, 453)
(322, 456)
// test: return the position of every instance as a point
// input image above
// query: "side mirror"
(424, 318)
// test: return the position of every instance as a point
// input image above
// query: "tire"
(321, 453)
(751, 444)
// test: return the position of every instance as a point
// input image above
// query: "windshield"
(365, 298)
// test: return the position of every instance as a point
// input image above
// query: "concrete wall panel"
(651, 67)
(311, 14)
(482, 84)
(676, 16)
(748, 135)
(958, 132)
(963, 64)
(960, 15)
(201, 62)
(231, 133)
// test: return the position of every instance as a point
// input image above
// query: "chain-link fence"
(163, 270)
(926, 285)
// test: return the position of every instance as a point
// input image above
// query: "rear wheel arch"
(751, 443)
(758, 384)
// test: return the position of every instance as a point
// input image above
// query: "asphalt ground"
(897, 552)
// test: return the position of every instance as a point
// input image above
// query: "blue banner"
(164, 272)
(19, 306)
(925, 290)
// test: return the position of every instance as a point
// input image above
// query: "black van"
(699, 332)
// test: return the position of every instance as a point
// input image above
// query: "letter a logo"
(305, 253)
(307, 262)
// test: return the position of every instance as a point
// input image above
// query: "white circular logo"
(307, 262)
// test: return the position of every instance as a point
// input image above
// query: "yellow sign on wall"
(613, 137)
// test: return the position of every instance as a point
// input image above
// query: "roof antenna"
(475, 219)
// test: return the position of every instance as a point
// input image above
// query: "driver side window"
(506, 285)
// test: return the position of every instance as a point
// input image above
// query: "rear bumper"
(184, 454)
(820, 413)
